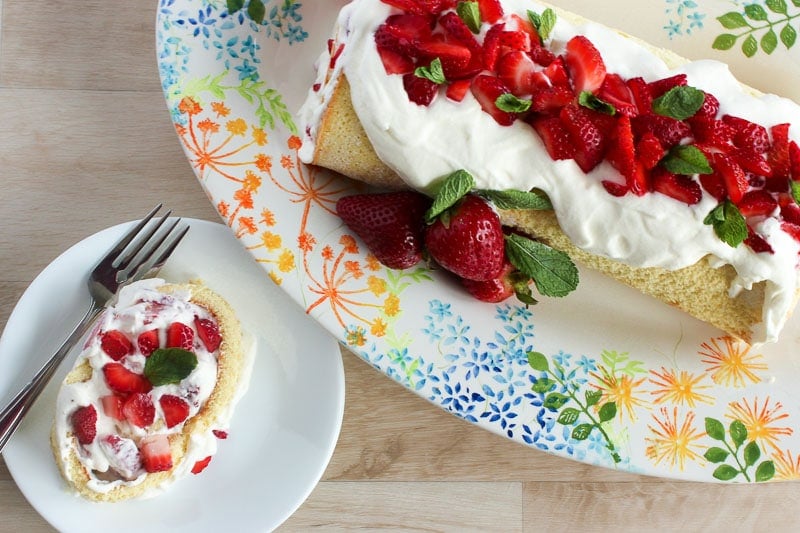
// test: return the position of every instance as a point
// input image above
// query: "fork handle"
(13, 413)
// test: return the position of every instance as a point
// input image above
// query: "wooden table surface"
(86, 142)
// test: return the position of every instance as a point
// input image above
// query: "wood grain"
(86, 142)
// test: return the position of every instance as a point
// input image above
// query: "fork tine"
(125, 259)
(154, 262)
(126, 239)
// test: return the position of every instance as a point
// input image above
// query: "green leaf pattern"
(760, 28)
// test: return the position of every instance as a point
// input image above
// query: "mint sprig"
(169, 365)
(728, 223)
(513, 199)
(453, 188)
(589, 100)
(543, 23)
(512, 104)
(687, 160)
(433, 72)
(552, 270)
(680, 102)
(470, 13)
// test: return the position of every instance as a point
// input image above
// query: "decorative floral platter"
(605, 376)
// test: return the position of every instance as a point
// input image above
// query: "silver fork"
(141, 252)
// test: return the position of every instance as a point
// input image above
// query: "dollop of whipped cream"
(112, 459)
(423, 144)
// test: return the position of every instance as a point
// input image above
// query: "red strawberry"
(712, 132)
(115, 344)
(395, 62)
(585, 65)
(515, 40)
(120, 379)
(589, 141)
(752, 161)
(778, 155)
(757, 203)
(84, 424)
(649, 151)
(541, 55)
(122, 454)
(156, 453)
(733, 176)
(456, 30)
(220, 434)
(468, 240)
(175, 409)
(710, 107)
(421, 91)
(555, 137)
(660, 87)
(491, 46)
(714, 185)
(549, 99)
(680, 187)
(621, 154)
(390, 224)
(791, 229)
(401, 33)
(556, 72)
(509, 282)
(794, 160)
(748, 134)
(112, 406)
(422, 7)
(641, 95)
(148, 342)
(201, 465)
(790, 211)
(616, 92)
(516, 70)
(458, 89)
(615, 189)
(455, 57)
(208, 331)
(668, 130)
(491, 10)
(138, 409)
(757, 243)
(180, 335)
(487, 89)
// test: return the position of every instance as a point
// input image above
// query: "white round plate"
(622, 380)
(282, 434)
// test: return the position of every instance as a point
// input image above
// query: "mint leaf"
(169, 365)
(470, 13)
(589, 100)
(432, 72)
(543, 23)
(511, 104)
(513, 199)
(687, 160)
(454, 187)
(795, 186)
(552, 271)
(728, 223)
(680, 102)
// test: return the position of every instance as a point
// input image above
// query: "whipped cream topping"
(112, 459)
(423, 144)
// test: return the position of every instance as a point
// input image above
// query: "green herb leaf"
(607, 411)
(728, 223)
(592, 397)
(521, 283)
(470, 13)
(256, 11)
(715, 429)
(234, 6)
(513, 199)
(765, 471)
(732, 20)
(432, 72)
(686, 159)
(512, 104)
(795, 187)
(453, 188)
(552, 271)
(738, 433)
(169, 365)
(589, 100)
(555, 400)
(680, 102)
(582, 431)
(538, 361)
(725, 473)
(543, 23)
(568, 416)
(716, 455)
(752, 453)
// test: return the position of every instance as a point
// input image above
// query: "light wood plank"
(16, 514)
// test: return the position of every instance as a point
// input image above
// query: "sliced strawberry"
(421, 91)
(422, 7)
(120, 379)
(455, 57)
(156, 453)
(220, 434)
(794, 160)
(791, 229)
(615, 189)
(180, 335)
(112, 406)
(710, 107)
(201, 465)
(736, 183)
(115, 344)
(649, 151)
(148, 342)
(491, 46)
(395, 62)
(555, 137)
(487, 89)
(516, 70)
(748, 135)
(585, 64)
(641, 95)
(622, 156)
(491, 10)
(682, 188)
(778, 154)
(617, 93)
(790, 211)
(712, 132)
(84, 423)
(390, 224)
(757, 203)
(175, 409)
(208, 331)
(548, 99)
(515, 40)
(757, 243)
(556, 72)
(542, 56)
(714, 185)
(517, 22)
(668, 130)
(752, 161)
(401, 33)
(457, 31)
(471, 243)
(589, 141)
(138, 409)
(458, 89)
(507, 284)
(660, 87)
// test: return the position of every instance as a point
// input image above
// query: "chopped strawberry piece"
(201, 465)
(556, 72)
(454, 57)
(491, 10)
(616, 92)
(748, 135)
(175, 409)
(401, 33)
(791, 229)
(457, 90)
(515, 40)
(682, 188)
(138, 409)
(84, 424)
(422, 7)
(710, 107)
(589, 141)
(180, 335)
(208, 331)
(615, 189)
(668, 130)
(712, 132)
(120, 379)
(778, 155)
(757, 203)
(148, 342)
(555, 137)
(621, 154)
(220, 434)
(790, 211)
(649, 151)
(660, 87)
(487, 89)
(585, 65)
(516, 70)
(395, 62)
(794, 160)
(736, 183)
(757, 243)
(714, 185)
(524, 24)
(491, 46)
(112, 406)
(457, 31)
(156, 453)
(542, 56)
(115, 344)
(421, 91)
(752, 161)
(549, 99)
(641, 95)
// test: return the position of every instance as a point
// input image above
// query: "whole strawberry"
(510, 282)
(390, 224)
(467, 240)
